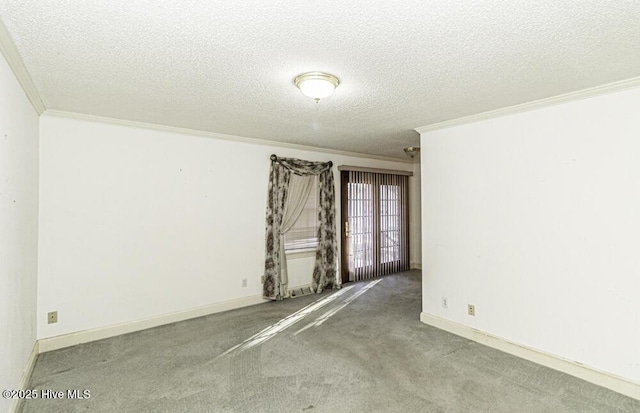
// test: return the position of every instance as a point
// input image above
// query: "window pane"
(389, 223)
(304, 233)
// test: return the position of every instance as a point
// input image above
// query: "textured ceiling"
(228, 66)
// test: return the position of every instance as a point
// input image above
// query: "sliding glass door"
(375, 224)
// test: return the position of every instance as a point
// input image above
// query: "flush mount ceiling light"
(316, 85)
(411, 151)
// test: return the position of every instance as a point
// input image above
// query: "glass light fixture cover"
(412, 151)
(316, 85)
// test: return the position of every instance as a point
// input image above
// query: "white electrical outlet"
(445, 302)
(244, 282)
(471, 309)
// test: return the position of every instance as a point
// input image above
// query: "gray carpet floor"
(364, 350)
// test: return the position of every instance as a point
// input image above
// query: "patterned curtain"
(325, 269)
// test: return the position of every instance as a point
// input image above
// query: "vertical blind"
(377, 224)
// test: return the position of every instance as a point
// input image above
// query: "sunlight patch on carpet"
(318, 321)
(285, 323)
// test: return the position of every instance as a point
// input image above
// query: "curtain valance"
(301, 167)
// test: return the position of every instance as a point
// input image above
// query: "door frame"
(344, 216)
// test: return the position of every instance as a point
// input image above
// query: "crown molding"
(234, 138)
(10, 53)
(536, 104)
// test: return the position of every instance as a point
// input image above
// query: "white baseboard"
(592, 375)
(15, 405)
(414, 265)
(94, 334)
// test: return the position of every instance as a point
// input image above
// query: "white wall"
(135, 223)
(415, 219)
(535, 219)
(18, 229)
